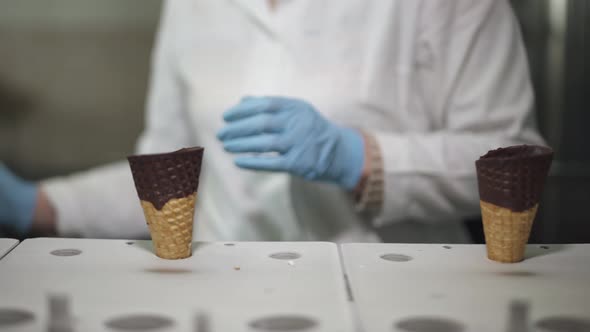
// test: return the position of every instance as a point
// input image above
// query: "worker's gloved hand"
(304, 143)
(17, 201)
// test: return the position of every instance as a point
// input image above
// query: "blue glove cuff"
(18, 199)
(25, 207)
(351, 157)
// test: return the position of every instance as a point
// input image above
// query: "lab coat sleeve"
(102, 202)
(98, 203)
(475, 84)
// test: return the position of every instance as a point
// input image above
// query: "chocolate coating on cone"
(513, 177)
(161, 177)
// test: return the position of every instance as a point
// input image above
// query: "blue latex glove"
(299, 139)
(17, 201)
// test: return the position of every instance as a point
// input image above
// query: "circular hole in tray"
(66, 252)
(140, 322)
(396, 257)
(285, 255)
(563, 324)
(447, 247)
(283, 323)
(130, 242)
(13, 316)
(229, 244)
(429, 324)
(544, 247)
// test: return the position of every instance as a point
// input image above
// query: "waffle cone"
(171, 228)
(506, 231)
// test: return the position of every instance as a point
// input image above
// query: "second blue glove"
(291, 136)
(17, 201)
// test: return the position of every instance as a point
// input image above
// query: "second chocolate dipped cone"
(510, 184)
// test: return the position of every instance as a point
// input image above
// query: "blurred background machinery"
(73, 79)
(557, 37)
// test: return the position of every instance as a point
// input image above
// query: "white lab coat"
(437, 82)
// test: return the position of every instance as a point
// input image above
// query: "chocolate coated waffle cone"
(510, 184)
(506, 232)
(167, 186)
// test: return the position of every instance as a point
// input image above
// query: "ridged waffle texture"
(506, 232)
(171, 227)
(513, 177)
(161, 177)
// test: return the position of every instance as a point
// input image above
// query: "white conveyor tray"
(6, 245)
(425, 287)
(237, 285)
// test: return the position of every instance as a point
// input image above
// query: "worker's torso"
(352, 59)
